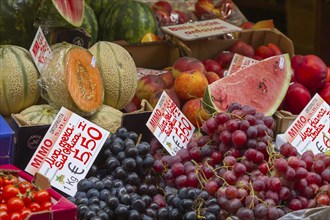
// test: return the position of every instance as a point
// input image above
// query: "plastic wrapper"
(172, 12)
(319, 213)
(72, 79)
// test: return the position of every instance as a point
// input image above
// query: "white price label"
(310, 130)
(67, 151)
(40, 50)
(169, 125)
(200, 29)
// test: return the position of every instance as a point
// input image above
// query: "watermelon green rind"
(16, 22)
(262, 85)
(98, 5)
(127, 20)
(90, 24)
(50, 14)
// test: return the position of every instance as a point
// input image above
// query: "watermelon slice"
(60, 13)
(262, 85)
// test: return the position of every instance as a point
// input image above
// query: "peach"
(130, 107)
(194, 111)
(190, 84)
(148, 85)
(264, 24)
(212, 76)
(203, 8)
(224, 58)
(247, 25)
(167, 78)
(296, 98)
(311, 72)
(328, 75)
(242, 48)
(183, 64)
(170, 92)
(264, 52)
(325, 92)
(212, 65)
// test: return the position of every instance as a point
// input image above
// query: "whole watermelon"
(98, 5)
(127, 20)
(90, 24)
(16, 22)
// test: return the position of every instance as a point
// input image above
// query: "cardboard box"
(28, 138)
(153, 55)
(6, 142)
(209, 47)
(62, 208)
(283, 120)
(136, 121)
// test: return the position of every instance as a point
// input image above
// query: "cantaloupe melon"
(118, 72)
(43, 114)
(108, 118)
(18, 80)
(72, 79)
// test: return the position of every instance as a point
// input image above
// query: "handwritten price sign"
(310, 130)
(67, 151)
(169, 125)
(40, 50)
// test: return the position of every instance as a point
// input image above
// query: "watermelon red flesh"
(262, 85)
(71, 9)
(60, 13)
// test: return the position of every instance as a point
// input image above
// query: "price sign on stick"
(310, 130)
(67, 151)
(40, 50)
(169, 125)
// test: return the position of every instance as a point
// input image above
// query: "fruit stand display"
(110, 62)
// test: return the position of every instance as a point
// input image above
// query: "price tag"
(200, 29)
(310, 130)
(169, 125)
(141, 72)
(67, 151)
(239, 62)
(40, 50)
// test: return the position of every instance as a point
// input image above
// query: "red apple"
(184, 64)
(295, 60)
(276, 50)
(328, 75)
(325, 92)
(242, 48)
(162, 6)
(224, 58)
(264, 52)
(170, 92)
(168, 79)
(296, 98)
(212, 65)
(311, 72)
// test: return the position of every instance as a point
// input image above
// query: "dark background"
(305, 22)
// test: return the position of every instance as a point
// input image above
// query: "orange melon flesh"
(83, 80)
(262, 85)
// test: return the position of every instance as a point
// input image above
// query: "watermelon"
(90, 24)
(127, 20)
(56, 13)
(16, 22)
(262, 85)
(98, 5)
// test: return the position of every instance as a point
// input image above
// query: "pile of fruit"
(19, 198)
(229, 168)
